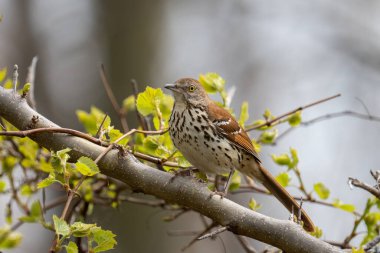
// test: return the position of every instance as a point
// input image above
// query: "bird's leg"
(224, 192)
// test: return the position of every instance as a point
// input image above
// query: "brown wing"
(230, 128)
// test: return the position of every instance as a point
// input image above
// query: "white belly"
(200, 144)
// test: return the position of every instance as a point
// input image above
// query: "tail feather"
(284, 197)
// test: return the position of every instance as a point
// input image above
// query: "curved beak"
(171, 86)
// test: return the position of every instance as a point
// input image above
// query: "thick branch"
(183, 191)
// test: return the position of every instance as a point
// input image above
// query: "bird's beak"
(171, 86)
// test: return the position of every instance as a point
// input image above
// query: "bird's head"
(188, 90)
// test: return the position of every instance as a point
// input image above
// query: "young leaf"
(2, 185)
(86, 166)
(317, 233)
(9, 239)
(235, 181)
(244, 116)
(60, 226)
(295, 119)
(80, 229)
(322, 191)
(295, 160)
(346, 207)
(148, 101)
(268, 137)
(105, 239)
(283, 178)
(3, 74)
(26, 89)
(36, 209)
(47, 181)
(212, 82)
(129, 104)
(253, 205)
(71, 247)
(26, 190)
(283, 159)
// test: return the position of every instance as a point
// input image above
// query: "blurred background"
(278, 55)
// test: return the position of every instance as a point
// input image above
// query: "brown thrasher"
(209, 137)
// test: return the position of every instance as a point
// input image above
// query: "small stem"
(301, 108)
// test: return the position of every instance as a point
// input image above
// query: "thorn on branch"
(15, 77)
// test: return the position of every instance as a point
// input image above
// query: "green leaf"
(80, 229)
(283, 178)
(26, 190)
(295, 119)
(259, 123)
(346, 207)
(47, 181)
(60, 226)
(244, 115)
(317, 233)
(3, 74)
(86, 166)
(9, 239)
(357, 250)
(93, 120)
(71, 247)
(129, 103)
(212, 82)
(105, 239)
(283, 159)
(148, 102)
(8, 84)
(295, 160)
(267, 115)
(268, 137)
(235, 181)
(35, 213)
(253, 205)
(115, 134)
(322, 191)
(36, 209)
(3, 185)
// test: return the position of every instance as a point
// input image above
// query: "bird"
(210, 138)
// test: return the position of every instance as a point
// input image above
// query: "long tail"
(284, 197)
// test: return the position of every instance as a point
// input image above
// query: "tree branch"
(184, 191)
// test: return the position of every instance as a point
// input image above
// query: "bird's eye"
(191, 88)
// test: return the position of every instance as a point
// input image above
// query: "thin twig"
(141, 119)
(112, 98)
(245, 244)
(213, 233)
(208, 228)
(327, 117)
(30, 78)
(301, 108)
(253, 188)
(372, 243)
(15, 77)
(100, 127)
(26, 133)
(364, 186)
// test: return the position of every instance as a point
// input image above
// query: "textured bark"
(285, 235)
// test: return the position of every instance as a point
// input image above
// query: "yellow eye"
(191, 88)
